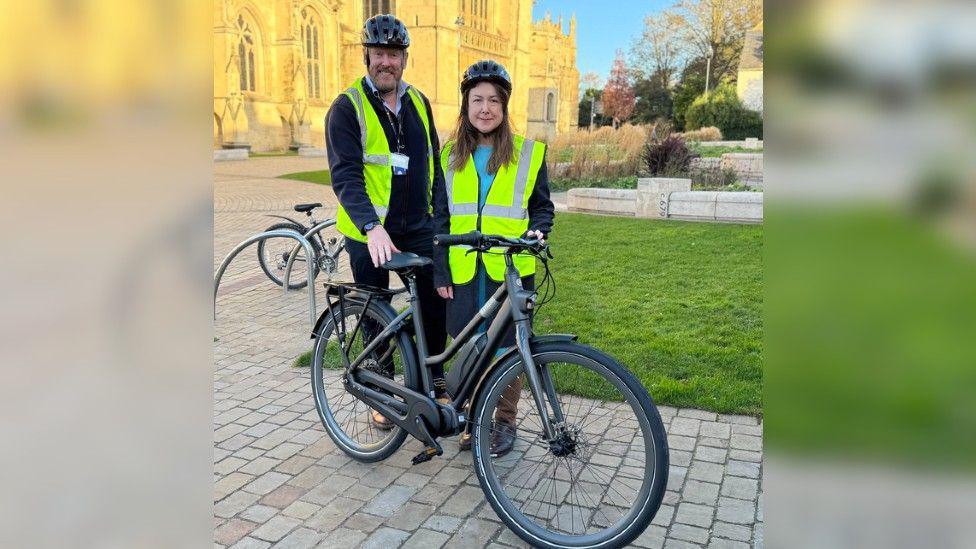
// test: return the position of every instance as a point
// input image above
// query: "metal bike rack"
(294, 251)
(287, 233)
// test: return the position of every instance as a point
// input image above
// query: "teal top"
(481, 156)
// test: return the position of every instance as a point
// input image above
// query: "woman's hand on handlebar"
(446, 292)
(536, 234)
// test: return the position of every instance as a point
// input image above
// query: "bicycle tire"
(322, 388)
(275, 274)
(598, 494)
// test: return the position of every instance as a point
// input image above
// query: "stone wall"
(748, 166)
(669, 198)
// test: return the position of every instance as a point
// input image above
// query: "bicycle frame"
(510, 304)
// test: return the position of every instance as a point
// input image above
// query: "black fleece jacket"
(409, 207)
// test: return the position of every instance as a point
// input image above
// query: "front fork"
(539, 377)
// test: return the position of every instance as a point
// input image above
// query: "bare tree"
(717, 27)
(618, 95)
(660, 48)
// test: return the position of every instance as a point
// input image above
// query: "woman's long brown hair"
(465, 137)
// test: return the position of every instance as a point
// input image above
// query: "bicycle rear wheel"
(601, 483)
(273, 256)
(345, 417)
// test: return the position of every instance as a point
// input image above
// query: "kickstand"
(432, 449)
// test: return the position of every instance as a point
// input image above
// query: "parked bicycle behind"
(326, 242)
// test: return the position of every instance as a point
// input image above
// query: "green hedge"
(724, 110)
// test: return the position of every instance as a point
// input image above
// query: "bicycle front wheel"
(600, 483)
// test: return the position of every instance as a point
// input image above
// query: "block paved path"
(280, 481)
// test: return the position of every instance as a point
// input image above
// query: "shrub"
(602, 154)
(669, 157)
(723, 109)
(708, 133)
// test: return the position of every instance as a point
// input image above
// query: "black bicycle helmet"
(385, 31)
(486, 71)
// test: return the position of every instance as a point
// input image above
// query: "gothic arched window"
(311, 46)
(551, 107)
(378, 7)
(247, 48)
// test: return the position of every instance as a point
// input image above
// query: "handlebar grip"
(467, 239)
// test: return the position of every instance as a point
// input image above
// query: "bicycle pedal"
(426, 455)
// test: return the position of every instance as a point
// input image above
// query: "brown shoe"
(464, 443)
(380, 421)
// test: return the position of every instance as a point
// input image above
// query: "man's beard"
(385, 88)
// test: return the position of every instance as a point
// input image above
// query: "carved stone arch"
(248, 17)
(218, 131)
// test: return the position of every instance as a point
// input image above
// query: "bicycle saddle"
(307, 207)
(405, 260)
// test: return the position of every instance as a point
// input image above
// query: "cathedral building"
(279, 64)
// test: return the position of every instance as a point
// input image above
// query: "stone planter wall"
(669, 198)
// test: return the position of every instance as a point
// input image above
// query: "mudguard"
(533, 341)
(326, 316)
(304, 228)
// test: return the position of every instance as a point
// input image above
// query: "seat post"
(418, 328)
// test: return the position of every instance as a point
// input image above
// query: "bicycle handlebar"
(476, 239)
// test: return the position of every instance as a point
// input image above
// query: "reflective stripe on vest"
(377, 172)
(503, 213)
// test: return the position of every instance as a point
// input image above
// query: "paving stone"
(276, 528)
(463, 502)
(731, 531)
(715, 455)
(736, 511)
(258, 514)
(426, 539)
(678, 442)
(327, 491)
(745, 455)
(443, 523)
(311, 477)
(694, 514)
(689, 533)
(234, 503)
(671, 543)
(300, 510)
(664, 515)
(228, 465)
(715, 430)
(474, 533)
(295, 465)
(681, 458)
(229, 484)
(333, 514)
(363, 522)
(719, 543)
(742, 469)
(741, 488)
(697, 414)
(705, 493)
(342, 538)
(507, 537)
(233, 530)
(283, 496)
(385, 538)
(389, 500)
(652, 538)
(266, 483)
(260, 466)
(410, 516)
(300, 539)
(706, 472)
(250, 543)
(451, 476)
(746, 442)
(684, 427)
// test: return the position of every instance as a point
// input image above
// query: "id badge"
(400, 162)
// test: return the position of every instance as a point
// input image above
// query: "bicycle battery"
(467, 356)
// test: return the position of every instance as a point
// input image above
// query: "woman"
(496, 182)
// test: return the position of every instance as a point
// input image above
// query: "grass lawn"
(706, 151)
(320, 177)
(678, 303)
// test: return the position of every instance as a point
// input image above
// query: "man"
(382, 146)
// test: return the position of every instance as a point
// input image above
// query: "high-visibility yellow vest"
(505, 211)
(377, 168)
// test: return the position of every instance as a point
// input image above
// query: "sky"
(602, 26)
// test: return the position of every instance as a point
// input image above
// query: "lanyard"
(396, 125)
